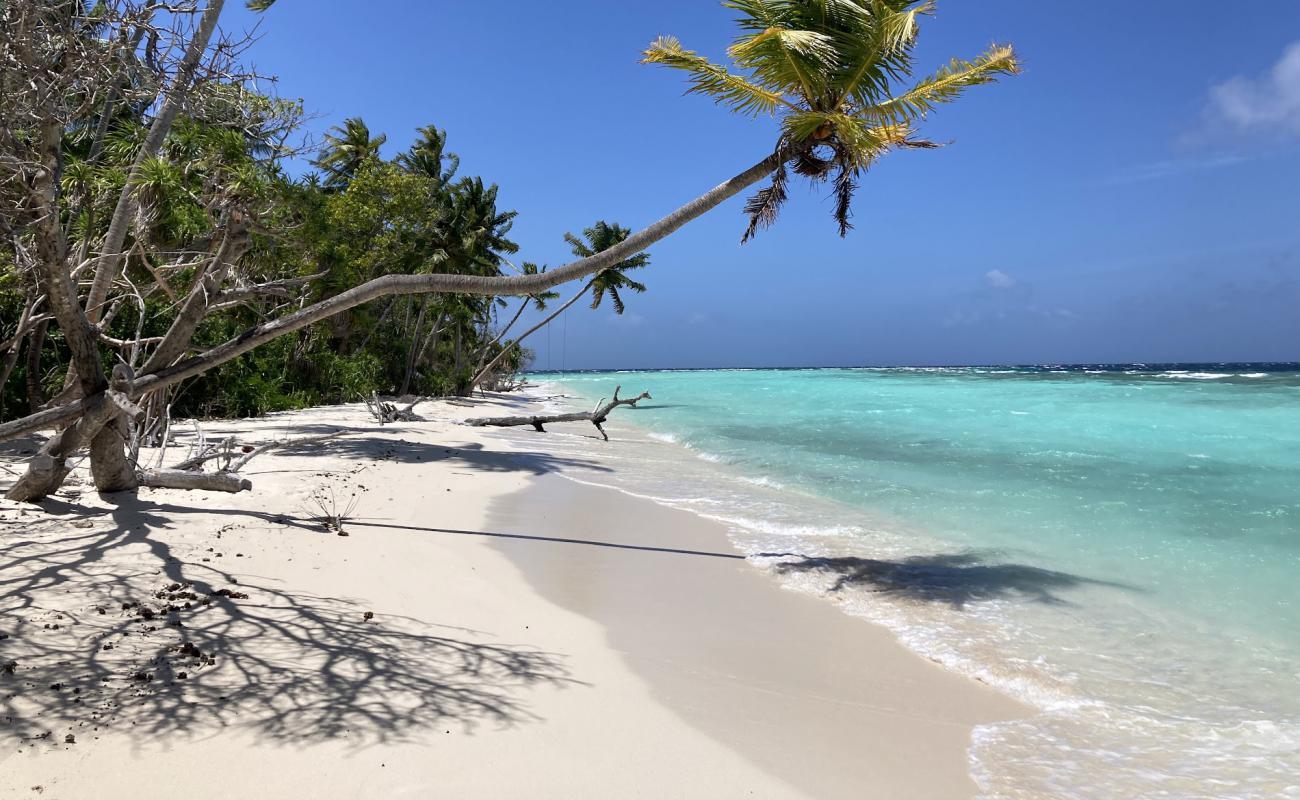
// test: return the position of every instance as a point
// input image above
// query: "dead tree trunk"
(597, 417)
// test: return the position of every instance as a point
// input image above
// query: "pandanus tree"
(834, 73)
(599, 238)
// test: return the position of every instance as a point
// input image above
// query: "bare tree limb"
(596, 417)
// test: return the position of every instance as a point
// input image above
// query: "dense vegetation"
(351, 218)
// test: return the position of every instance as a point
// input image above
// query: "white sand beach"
(487, 628)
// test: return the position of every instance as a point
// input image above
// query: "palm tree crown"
(428, 157)
(346, 148)
(603, 236)
(829, 69)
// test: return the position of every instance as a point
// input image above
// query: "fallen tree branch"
(388, 412)
(234, 296)
(239, 455)
(205, 481)
(597, 417)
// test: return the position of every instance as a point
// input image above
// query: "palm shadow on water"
(78, 656)
(953, 579)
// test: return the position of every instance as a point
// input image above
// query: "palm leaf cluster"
(836, 74)
(599, 237)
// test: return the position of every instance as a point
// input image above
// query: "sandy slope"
(421, 657)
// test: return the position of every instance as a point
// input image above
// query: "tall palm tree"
(346, 148)
(828, 69)
(599, 238)
(470, 238)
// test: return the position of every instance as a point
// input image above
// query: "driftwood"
(183, 479)
(188, 474)
(596, 417)
(237, 455)
(388, 412)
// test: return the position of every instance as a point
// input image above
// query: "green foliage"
(602, 236)
(361, 218)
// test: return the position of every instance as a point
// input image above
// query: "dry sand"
(487, 629)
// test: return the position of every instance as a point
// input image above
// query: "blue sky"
(1133, 196)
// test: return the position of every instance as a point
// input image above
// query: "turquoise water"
(1119, 547)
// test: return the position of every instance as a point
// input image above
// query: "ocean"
(1117, 545)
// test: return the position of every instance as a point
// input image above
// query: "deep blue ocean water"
(1117, 544)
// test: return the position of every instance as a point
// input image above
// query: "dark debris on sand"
(133, 662)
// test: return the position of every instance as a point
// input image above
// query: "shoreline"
(639, 684)
(830, 702)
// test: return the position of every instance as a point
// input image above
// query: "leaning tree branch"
(387, 285)
(597, 417)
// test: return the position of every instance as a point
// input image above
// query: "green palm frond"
(599, 237)
(710, 79)
(946, 85)
(796, 61)
(876, 49)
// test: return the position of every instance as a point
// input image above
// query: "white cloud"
(1156, 170)
(999, 279)
(1268, 103)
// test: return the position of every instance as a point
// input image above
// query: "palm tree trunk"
(487, 348)
(482, 373)
(388, 285)
(415, 347)
(430, 345)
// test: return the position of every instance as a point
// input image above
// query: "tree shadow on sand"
(360, 448)
(104, 627)
(954, 579)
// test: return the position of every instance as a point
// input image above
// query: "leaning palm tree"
(346, 148)
(599, 238)
(833, 72)
(828, 69)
